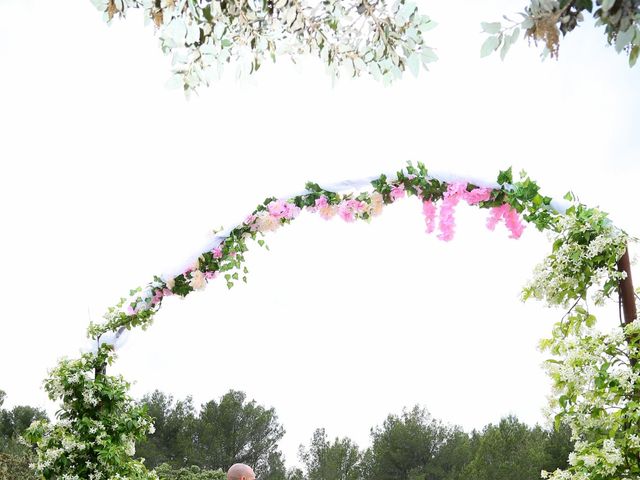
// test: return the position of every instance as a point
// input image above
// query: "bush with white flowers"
(97, 428)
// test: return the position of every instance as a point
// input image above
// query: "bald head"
(240, 471)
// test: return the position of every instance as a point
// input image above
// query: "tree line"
(192, 443)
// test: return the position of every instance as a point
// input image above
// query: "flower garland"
(506, 203)
(595, 375)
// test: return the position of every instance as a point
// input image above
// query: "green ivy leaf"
(505, 176)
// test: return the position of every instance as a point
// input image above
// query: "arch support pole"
(627, 295)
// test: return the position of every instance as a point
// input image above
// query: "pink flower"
(345, 212)
(210, 275)
(397, 192)
(282, 209)
(250, 220)
(511, 219)
(513, 223)
(321, 202)
(131, 310)
(157, 296)
(495, 215)
(477, 195)
(349, 208)
(166, 292)
(357, 206)
(455, 191)
(429, 211)
(217, 252)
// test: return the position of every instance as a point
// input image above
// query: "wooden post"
(627, 295)
(628, 300)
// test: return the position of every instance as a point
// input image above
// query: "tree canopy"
(231, 430)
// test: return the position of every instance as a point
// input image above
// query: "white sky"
(108, 178)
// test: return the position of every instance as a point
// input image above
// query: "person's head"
(240, 471)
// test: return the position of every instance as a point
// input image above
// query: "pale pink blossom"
(217, 252)
(325, 209)
(266, 223)
(210, 275)
(249, 220)
(198, 281)
(377, 204)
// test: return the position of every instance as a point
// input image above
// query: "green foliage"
(167, 472)
(325, 460)
(404, 443)
(14, 467)
(235, 430)
(232, 430)
(414, 446)
(507, 451)
(13, 423)
(172, 441)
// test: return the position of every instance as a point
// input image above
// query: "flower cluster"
(98, 424)
(586, 249)
(595, 380)
(351, 37)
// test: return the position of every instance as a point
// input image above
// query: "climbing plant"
(594, 373)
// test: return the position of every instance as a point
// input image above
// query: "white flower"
(266, 223)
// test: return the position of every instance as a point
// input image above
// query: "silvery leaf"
(492, 28)
(489, 46)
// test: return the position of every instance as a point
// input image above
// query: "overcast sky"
(108, 178)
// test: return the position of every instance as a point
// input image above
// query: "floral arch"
(595, 374)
